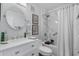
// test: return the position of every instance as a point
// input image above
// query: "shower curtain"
(76, 30)
(66, 19)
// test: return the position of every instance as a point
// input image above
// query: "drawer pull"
(32, 45)
(17, 52)
(32, 54)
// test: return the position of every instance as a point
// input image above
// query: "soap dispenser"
(2, 36)
(25, 35)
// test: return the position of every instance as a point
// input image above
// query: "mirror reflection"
(15, 19)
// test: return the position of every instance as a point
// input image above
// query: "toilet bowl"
(45, 51)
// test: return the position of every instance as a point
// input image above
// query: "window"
(35, 24)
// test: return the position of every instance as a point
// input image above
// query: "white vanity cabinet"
(26, 49)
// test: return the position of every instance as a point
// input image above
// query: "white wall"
(53, 26)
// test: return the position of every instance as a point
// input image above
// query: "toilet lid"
(45, 49)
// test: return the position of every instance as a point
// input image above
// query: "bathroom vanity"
(20, 47)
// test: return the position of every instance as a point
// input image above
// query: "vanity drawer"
(29, 47)
(34, 52)
(36, 44)
(10, 52)
(16, 51)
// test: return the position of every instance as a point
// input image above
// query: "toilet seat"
(46, 51)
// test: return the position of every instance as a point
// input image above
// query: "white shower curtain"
(76, 30)
(60, 31)
(66, 17)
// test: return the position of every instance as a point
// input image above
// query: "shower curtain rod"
(62, 6)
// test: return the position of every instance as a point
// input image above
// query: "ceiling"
(49, 6)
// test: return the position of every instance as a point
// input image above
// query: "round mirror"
(15, 18)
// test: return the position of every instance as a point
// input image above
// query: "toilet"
(45, 51)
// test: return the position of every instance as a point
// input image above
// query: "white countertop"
(15, 42)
